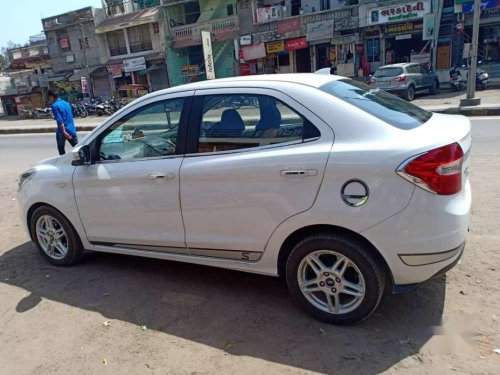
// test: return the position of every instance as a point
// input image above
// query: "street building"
(185, 54)
(78, 53)
(134, 33)
(23, 85)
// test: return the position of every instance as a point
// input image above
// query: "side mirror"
(81, 156)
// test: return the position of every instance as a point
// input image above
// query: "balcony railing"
(345, 18)
(140, 46)
(190, 35)
(116, 51)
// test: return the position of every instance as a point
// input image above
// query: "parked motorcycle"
(456, 82)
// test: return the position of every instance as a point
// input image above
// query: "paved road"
(205, 320)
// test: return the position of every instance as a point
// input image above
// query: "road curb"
(41, 129)
(470, 111)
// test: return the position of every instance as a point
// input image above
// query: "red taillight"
(400, 78)
(438, 171)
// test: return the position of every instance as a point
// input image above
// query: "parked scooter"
(456, 82)
(43, 113)
(481, 79)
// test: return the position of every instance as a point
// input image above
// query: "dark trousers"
(61, 141)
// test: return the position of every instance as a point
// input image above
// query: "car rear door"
(415, 76)
(427, 78)
(130, 197)
(257, 157)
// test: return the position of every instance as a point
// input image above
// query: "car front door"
(130, 196)
(427, 78)
(257, 158)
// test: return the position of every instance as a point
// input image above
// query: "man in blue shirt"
(65, 124)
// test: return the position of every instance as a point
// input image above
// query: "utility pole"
(471, 77)
(85, 59)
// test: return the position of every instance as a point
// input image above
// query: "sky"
(19, 19)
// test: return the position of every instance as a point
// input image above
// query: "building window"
(139, 38)
(116, 43)
(156, 28)
(230, 9)
(63, 40)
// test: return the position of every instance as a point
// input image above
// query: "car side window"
(233, 122)
(423, 70)
(150, 131)
(411, 69)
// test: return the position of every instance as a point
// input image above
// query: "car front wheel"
(334, 278)
(55, 237)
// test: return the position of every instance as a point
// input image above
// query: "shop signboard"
(115, 70)
(485, 4)
(190, 70)
(83, 81)
(245, 40)
(268, 14)
(245, 69)
(274, 47)
(411, 10)
(421, 58)
(295, 44)
(135, 64)
(320, 30)
(428, 29)
(254, 52)
(206, 40)
(401, 28)
(403, 37)
(345, 39)
(289, 25)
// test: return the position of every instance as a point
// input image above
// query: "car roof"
(399, 65)
(267, 80)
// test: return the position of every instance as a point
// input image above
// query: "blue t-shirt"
(64, 115)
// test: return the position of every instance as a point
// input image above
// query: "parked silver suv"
(405, 79)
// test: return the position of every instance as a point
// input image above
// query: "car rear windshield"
(388, 72)
(387, 107)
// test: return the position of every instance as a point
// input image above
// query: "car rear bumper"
(458, 252)
(424, 238)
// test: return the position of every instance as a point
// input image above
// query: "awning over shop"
(83, 73)
(58, 77)
(128, 20)
(151, 68)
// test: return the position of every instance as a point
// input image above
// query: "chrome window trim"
(250, 149)
(138, 159)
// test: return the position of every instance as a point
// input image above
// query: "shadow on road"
(254, 314)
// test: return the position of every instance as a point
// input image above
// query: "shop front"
(319, 35)
(300, 55)
(401, 28)
(342, 55)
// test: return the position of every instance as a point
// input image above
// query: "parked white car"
(344, 189)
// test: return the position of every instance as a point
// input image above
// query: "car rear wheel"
(410, 93)
(55, 237)
(334, 278)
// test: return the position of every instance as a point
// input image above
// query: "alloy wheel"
(52, 237)
(331, 282)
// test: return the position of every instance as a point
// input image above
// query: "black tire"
(372, 273)
(434, 87)
(74, 245)
(409, 95)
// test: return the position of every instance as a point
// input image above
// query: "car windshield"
(387, 107)
(388, 72)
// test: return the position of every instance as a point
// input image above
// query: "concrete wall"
(58, 56)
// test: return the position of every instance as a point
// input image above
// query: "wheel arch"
(299, 234)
